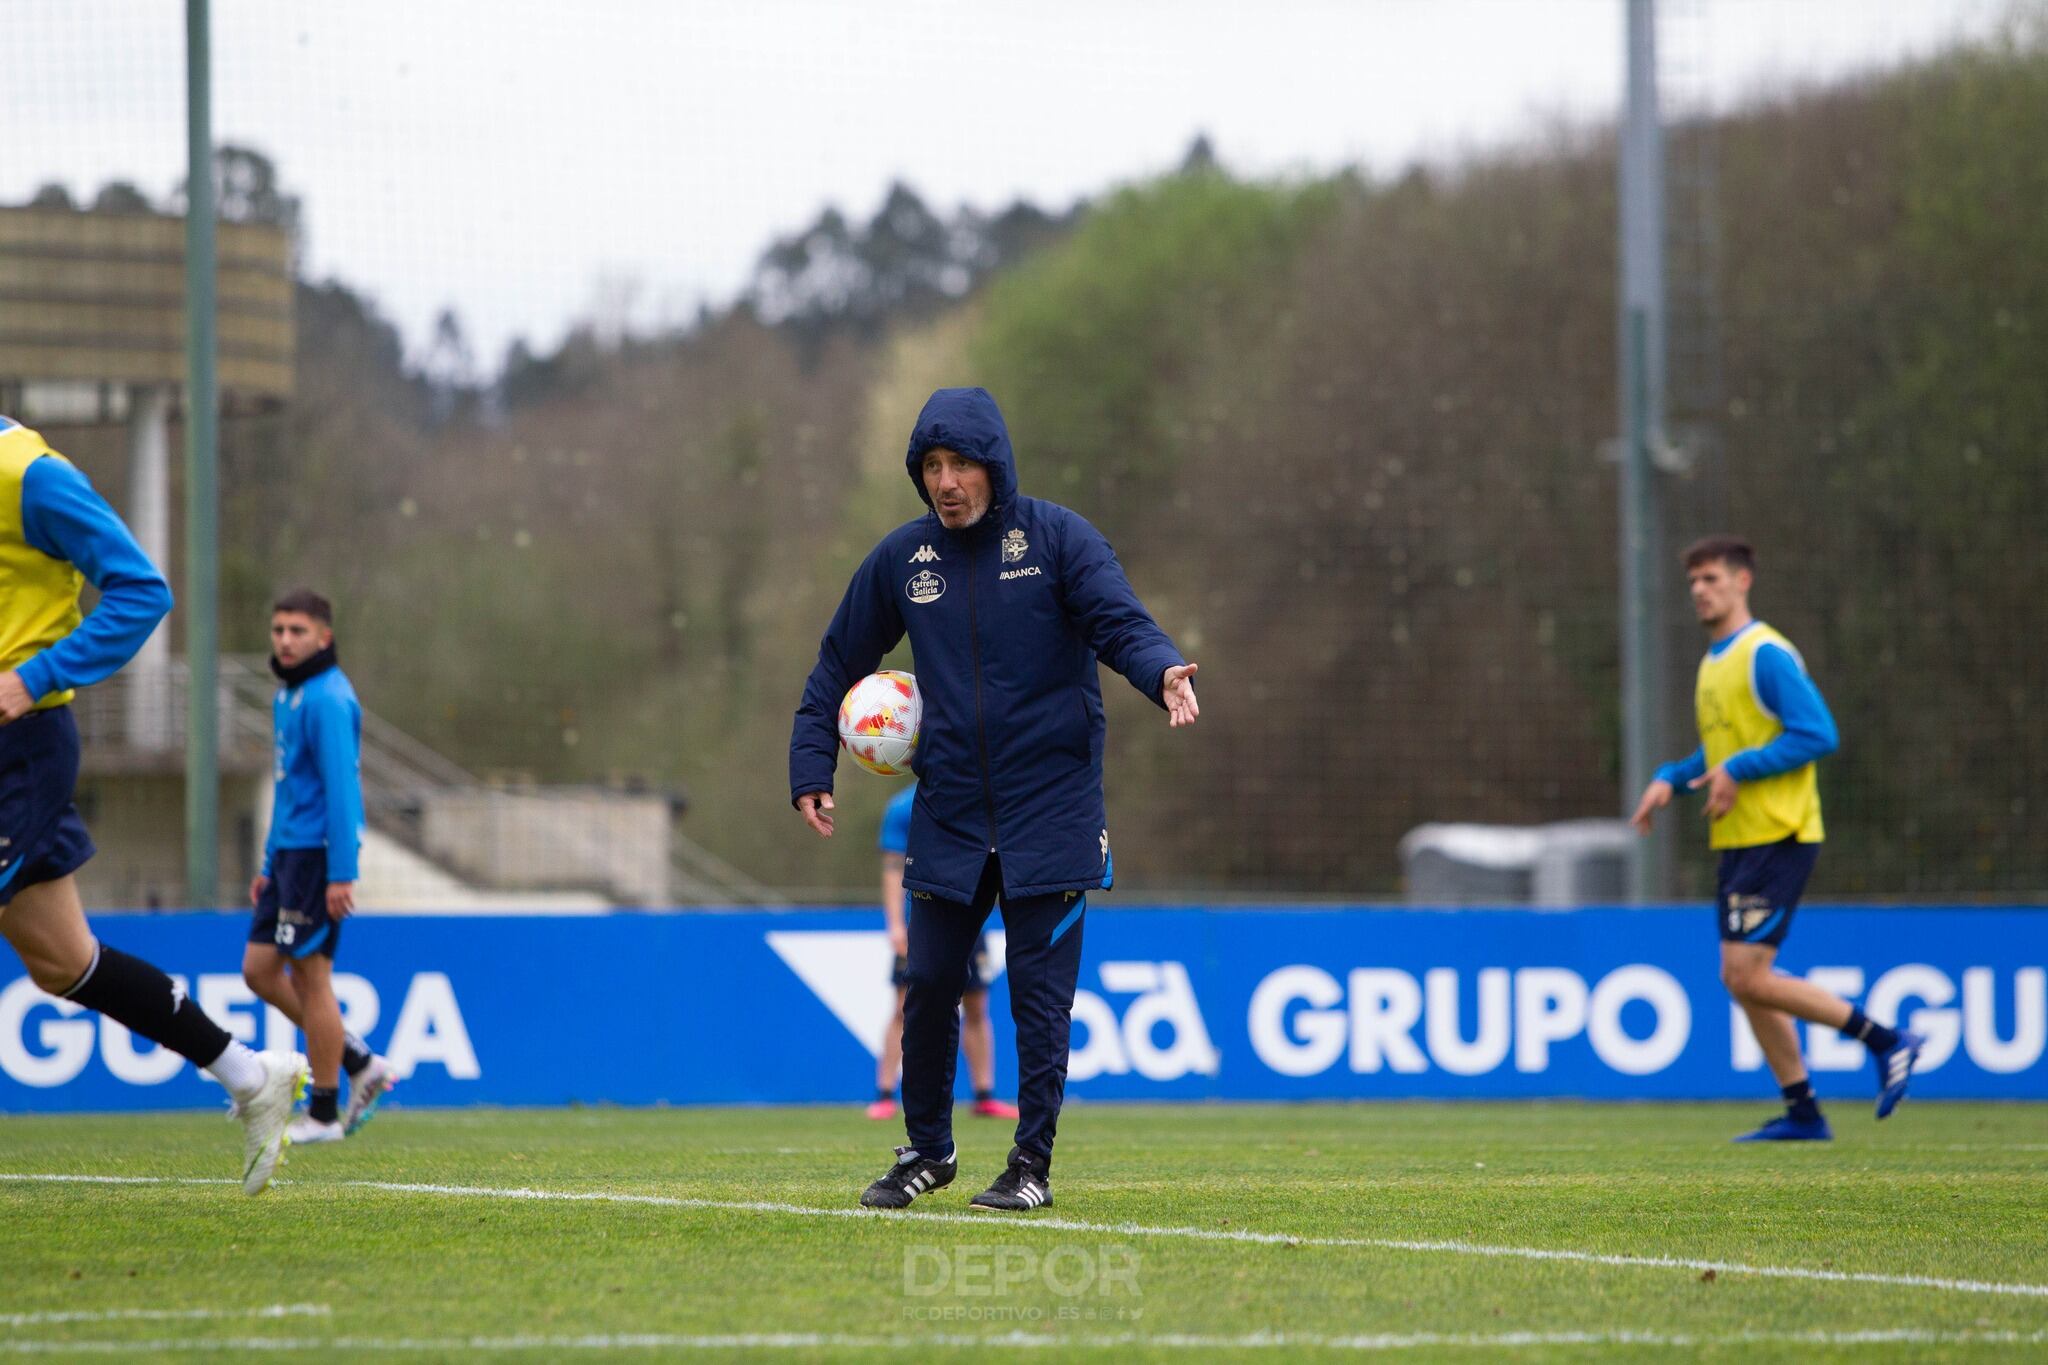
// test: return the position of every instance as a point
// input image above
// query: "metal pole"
(1640, 192)
(202, 493)
(149, 516)
(1639, 621)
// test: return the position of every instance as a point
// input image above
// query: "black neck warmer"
(313, 667)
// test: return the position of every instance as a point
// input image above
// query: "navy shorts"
(41, 836)
(1760, 887)
(291, 914)
(977, 972)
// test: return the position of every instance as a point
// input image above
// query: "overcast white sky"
(518, 159)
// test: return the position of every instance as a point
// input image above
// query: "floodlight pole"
(202, 475)
(1641, 343)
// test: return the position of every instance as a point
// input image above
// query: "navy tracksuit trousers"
(1043, 961)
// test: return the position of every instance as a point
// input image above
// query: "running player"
(56, 535)
(1763, 726)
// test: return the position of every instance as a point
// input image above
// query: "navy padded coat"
(1007, 620)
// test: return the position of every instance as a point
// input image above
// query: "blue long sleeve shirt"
(895, 836)
(318, 797)
(65, 517)
(1785, 690)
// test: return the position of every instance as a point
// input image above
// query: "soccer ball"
(878, 722)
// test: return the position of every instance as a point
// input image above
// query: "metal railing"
(142, 710)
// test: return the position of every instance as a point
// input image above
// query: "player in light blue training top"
(308, 882)
(977, 1035)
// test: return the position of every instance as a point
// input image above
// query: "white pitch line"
(1229, 1235)
(811, 1341)
(275, 1310)
(1239, 1235)
(123, 1179)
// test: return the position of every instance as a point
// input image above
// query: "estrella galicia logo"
(926, 586)
(1014, 547)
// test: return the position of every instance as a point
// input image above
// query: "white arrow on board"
(848, 970)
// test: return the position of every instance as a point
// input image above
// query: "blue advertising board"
(1254, 1004)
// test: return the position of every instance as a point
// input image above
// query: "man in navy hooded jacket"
(1008, 602)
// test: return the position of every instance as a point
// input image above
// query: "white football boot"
(305, 1128)
(264, 1114)
(365, 1090)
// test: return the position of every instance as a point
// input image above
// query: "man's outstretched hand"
(1179, 695)
(816, 809)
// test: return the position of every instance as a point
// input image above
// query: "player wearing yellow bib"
(1763, 727)
(57, 534)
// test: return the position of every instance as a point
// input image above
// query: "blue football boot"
(1785, 1128)
(1895, 1068)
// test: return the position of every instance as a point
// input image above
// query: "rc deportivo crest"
(925, 555)
(1014, 547)
(925, 587)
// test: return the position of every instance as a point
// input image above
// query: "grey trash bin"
(1571, 862)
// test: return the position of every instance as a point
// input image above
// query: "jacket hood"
(968, 422)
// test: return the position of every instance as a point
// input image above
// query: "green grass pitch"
(1268, 1232)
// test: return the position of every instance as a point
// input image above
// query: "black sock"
(1799, 1102)
(887, 1093)
(1872, 1035)
(983, 1096)
(130, 991)
(355, 1054)
(322, 1103)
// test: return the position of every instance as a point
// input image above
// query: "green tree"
(1086, 346)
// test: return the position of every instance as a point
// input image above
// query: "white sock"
(239, 1070)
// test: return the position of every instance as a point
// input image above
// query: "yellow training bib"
(1732, 719)
(38, 594)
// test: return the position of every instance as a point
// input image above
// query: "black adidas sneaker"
(1024, 1184)
(911, 1176)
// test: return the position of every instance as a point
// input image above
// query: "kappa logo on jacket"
(925, 587)
(925, 555)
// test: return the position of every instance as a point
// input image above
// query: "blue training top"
(63, 516)
(896, 821)
(319, 790)
(1785, 690)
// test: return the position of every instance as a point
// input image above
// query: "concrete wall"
(607, 841)
(138, 821)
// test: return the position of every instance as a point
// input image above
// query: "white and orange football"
(878, 721)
